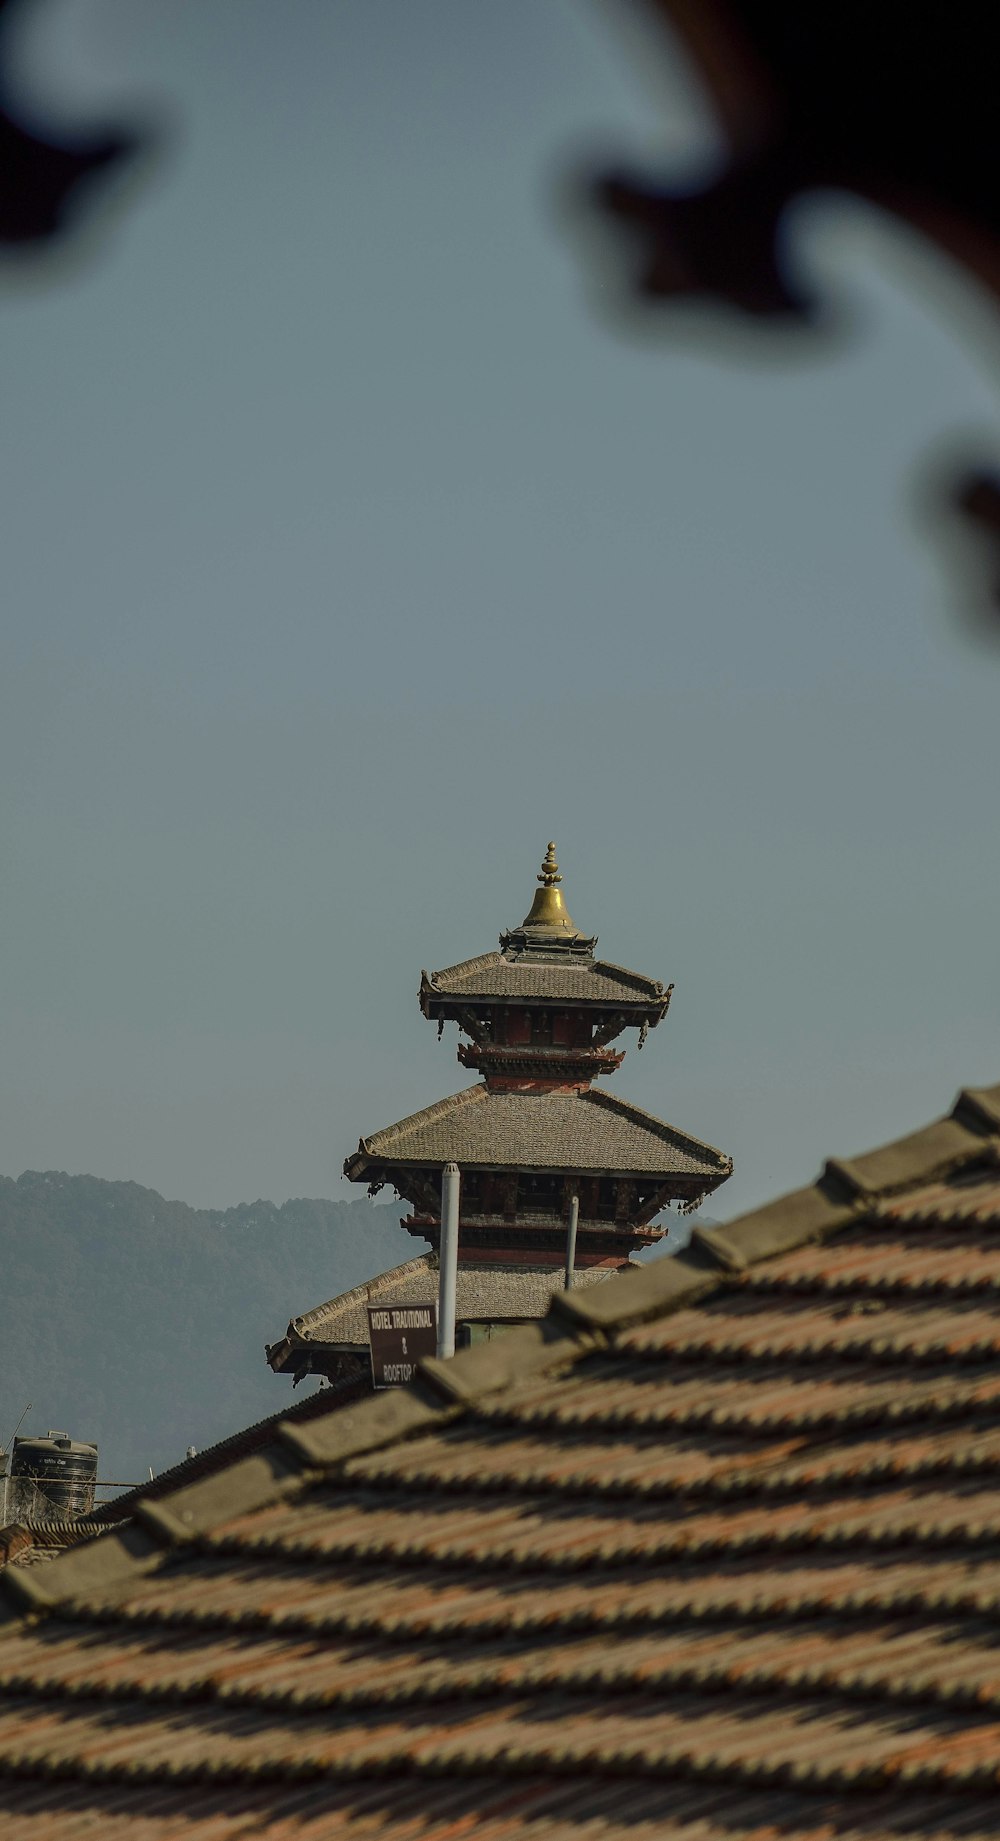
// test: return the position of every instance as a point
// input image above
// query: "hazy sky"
(350, 553)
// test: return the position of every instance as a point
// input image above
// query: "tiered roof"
(712, 1553)
(593, 1131)
(545, 961)
(536, 1114)
(483, 1292)
(544, 981)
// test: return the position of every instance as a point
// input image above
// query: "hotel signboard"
(400, 1336)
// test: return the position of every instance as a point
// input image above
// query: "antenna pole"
(6, 1456)
(448, 1261)
(574, 1216)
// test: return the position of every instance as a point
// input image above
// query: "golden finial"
(550, 868)
(548, 908)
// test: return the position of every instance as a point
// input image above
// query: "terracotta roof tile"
(974, 1200)
(711, 1554)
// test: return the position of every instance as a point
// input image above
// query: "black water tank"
(50, 1476)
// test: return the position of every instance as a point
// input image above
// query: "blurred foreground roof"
(712, 1551)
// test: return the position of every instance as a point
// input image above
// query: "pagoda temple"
(540, 1018)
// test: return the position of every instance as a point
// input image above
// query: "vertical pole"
(448, 1263)
(574, 1216)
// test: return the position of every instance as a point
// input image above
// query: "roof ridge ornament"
(549, 872)
(547, 927)
(548, 908)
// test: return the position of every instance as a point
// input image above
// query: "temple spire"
(548, 908)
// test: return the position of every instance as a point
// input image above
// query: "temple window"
(607, 1198)
(536, 1193)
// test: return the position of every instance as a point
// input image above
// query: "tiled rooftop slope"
(713, 1553)
(594, 1130)
(577, 980)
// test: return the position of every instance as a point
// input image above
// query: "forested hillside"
(141, 1323)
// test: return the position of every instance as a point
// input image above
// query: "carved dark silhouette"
(45, 176)
(894, 103)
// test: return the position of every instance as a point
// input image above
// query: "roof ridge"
(439, 1107)
(243, 1442)
(578, 1323)
(166, 1522)
(844, 1190)
(461, 965)
(358, 1292)
(618, 1102)
(624, 971)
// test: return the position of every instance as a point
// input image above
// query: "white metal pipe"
(448, 1262)
(574, 1216)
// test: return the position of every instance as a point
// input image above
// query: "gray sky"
(382, 557)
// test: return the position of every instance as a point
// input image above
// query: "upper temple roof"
(592, 1131)
(545, 960)
(574, 980)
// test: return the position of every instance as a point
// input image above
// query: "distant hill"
(141, 1323)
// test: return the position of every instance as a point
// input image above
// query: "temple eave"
(668, 1183)
(535, 994)
(560, 1068)
(534, 1229)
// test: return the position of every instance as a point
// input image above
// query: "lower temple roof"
(486, 1293)
(593, 1131)
(712, 1554)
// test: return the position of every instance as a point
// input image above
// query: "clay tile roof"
(711, 1554)
(593, 1131)
(30, 1542)
(578, 980)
